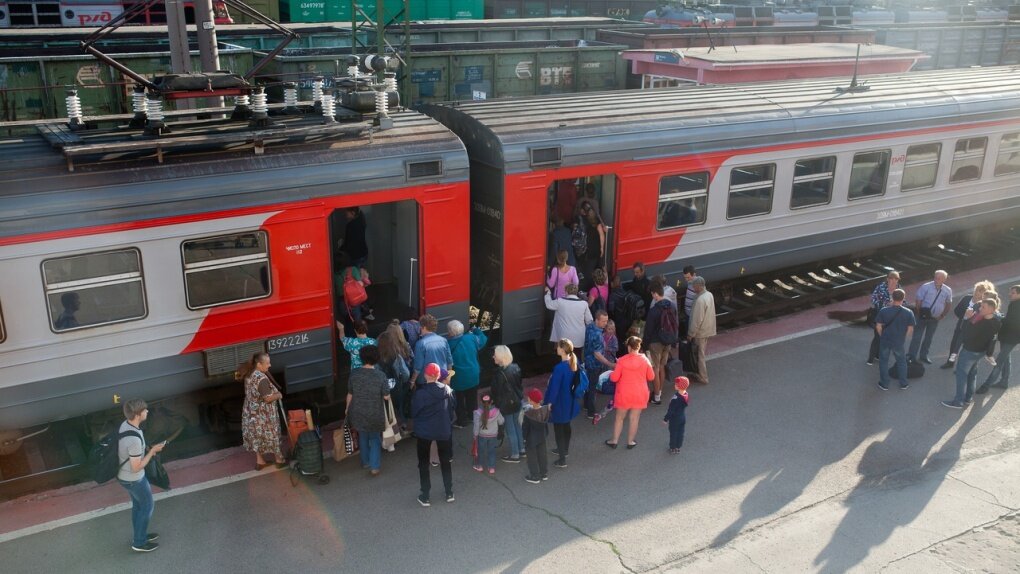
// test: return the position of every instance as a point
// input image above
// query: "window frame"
(47, 290)
(772, 194)
(693, 195)
(999, 152)
(208, 265)
(831, 178)
(981, 165)
(906, 165)
(885, 181)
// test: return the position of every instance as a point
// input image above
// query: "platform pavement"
(791, 464)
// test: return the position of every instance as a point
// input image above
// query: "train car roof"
(620, 126)
(62, 179)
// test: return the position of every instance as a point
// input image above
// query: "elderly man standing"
(701, 326)
(934, 299)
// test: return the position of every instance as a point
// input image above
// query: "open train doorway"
(588, 203)
(382, 239)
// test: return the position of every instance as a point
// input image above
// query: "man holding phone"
(133, 458)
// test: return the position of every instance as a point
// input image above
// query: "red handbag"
(354, 289)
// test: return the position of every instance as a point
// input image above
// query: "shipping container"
(268, 8)
(669, 38)
(481, 70)
(33, 82)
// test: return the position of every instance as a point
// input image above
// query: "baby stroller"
(604, 386)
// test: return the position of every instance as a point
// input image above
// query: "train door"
(391, 239)
(573, 202)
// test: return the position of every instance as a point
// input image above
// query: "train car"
(135, 266)
(735, 179)
(91, 13)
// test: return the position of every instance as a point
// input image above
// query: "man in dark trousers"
(658, 342)
(934, 301)
(1009, 336)
(893, 324)
(133, 458)
(355, 245)
(978, 339)
(433, 410)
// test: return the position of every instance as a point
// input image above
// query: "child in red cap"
(676, 416)
(535, 429)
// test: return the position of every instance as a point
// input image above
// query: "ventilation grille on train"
(421, 169)
(226, 359)
(545, 155)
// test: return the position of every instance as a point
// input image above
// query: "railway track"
(58, 456)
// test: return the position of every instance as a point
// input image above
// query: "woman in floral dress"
(260, 423)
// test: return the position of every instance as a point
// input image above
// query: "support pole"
(205, 26)
(180, 54)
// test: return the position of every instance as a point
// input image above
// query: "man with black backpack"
(131, 475)
(661, 332)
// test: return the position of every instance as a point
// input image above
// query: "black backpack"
(669, 327)
(579, 238)
(104, 459)
(631, 309)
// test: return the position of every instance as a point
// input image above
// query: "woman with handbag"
(507, 394)
(394, 361)
(367, 392)
(880, 298)
(260, 423)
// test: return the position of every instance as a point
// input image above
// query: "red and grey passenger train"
(181, 269)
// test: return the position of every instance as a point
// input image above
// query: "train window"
(682, 200)
(868, 174)
(226, 269)
(1009, 155)
(921, 166)
(967, 159)
(94, 289)
(812, 181)
(751, 190)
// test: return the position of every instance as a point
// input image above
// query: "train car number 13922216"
(288, 341)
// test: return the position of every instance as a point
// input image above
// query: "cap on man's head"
(432, 370)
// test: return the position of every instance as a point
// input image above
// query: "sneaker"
(981, 390)
(952, 404)
(435, 464)
(147, 547)
(151, 537)
(545, 477)
(532, 479)
(492, 471)
(590, 417)
(524, 454)
(967, 402)
(926, 360)
(424, 501)
(904, 386)
(450, 498)
(560, 464)
(478, 468)
(947, 365)
(555, 451)
(883, 387)
(869, 362)
(658, 399)
(510, 459)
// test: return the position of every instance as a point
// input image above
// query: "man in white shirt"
(702, 325)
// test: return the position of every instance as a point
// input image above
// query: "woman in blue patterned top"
(354, 344)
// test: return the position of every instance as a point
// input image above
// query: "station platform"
(794, 461)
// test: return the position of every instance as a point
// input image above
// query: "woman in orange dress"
(631, 375)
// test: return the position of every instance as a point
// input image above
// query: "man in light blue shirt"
(934, 300)
(430, 348)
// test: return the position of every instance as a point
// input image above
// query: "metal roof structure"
(120, 174)
(620, 126)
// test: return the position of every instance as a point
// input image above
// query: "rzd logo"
(556, 76)
(96, 19)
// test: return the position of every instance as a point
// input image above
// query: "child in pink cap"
(676, 416)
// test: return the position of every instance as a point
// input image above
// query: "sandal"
(610, 444)
(631, 445)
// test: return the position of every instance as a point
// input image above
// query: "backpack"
(579, 384)
(669, 326)
(631, 309)
(104, 459)
(354, 289)
(579, 238)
